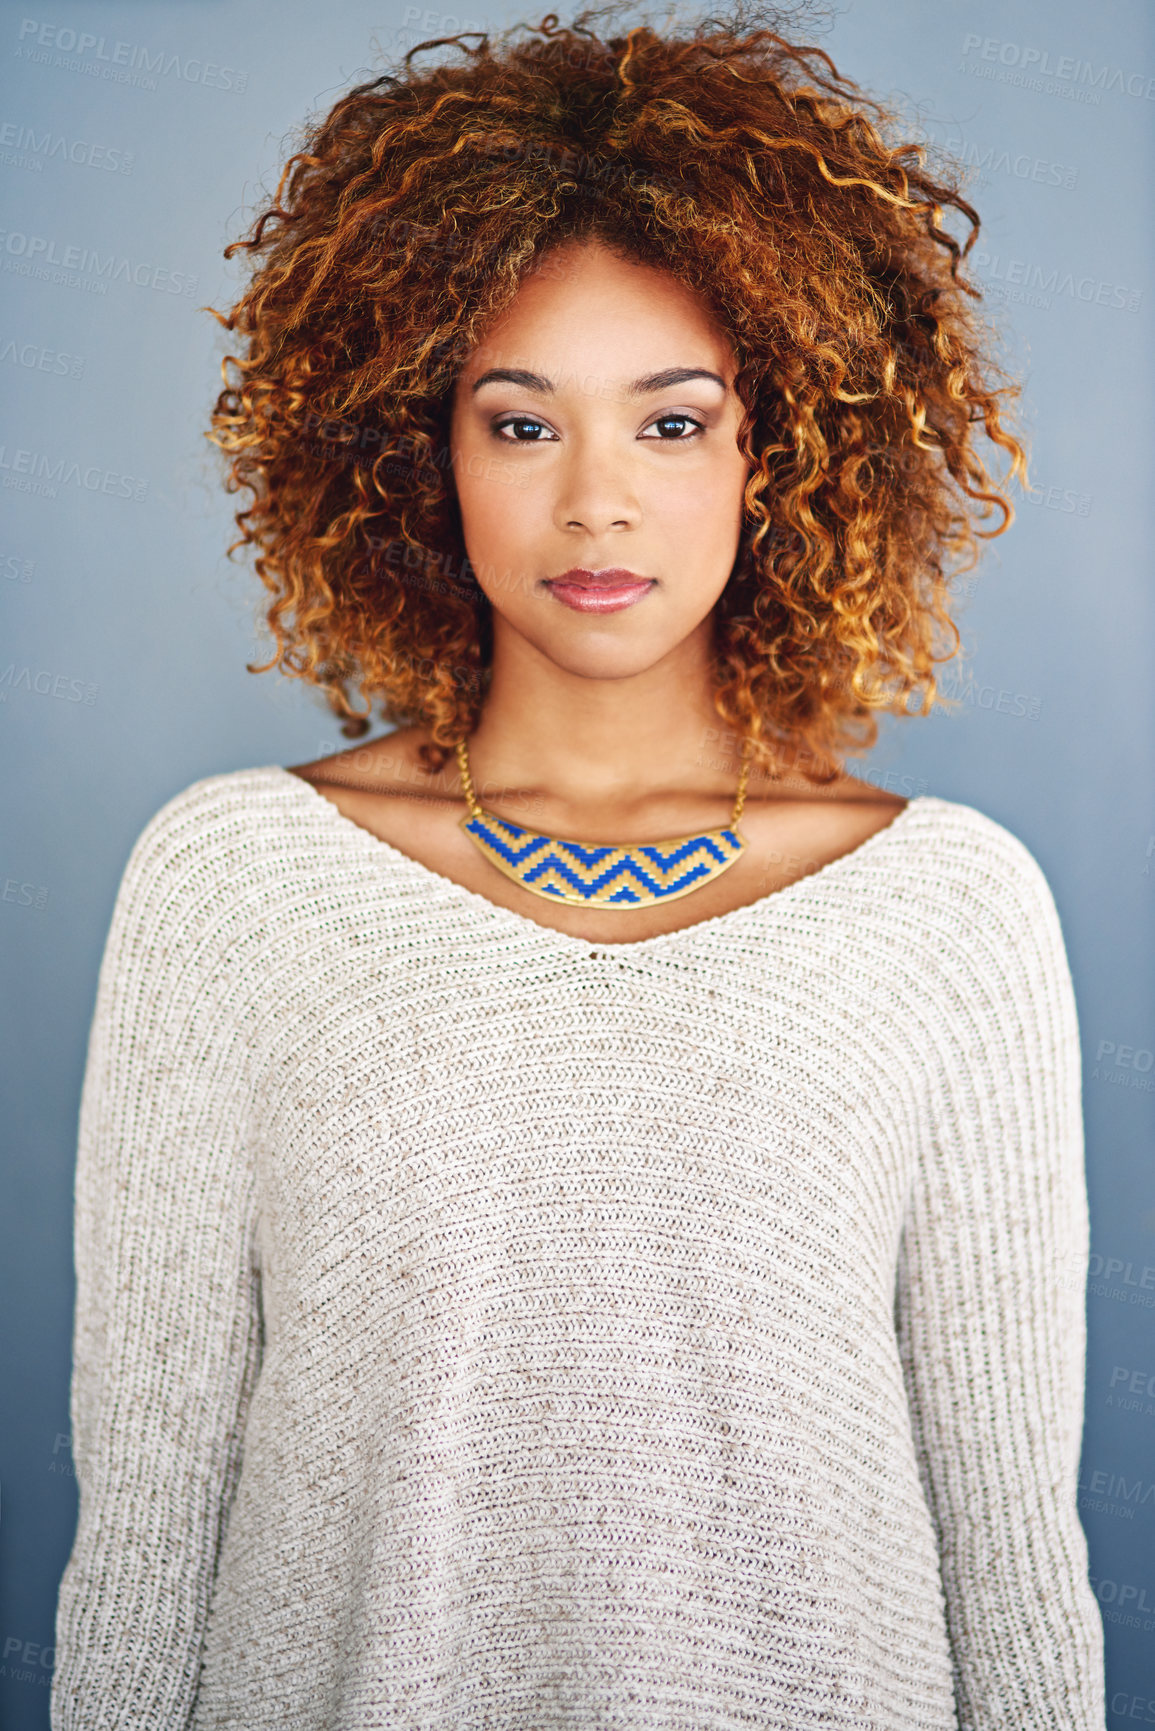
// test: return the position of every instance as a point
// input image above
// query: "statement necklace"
(592, 874)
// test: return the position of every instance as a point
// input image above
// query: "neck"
(596, 754)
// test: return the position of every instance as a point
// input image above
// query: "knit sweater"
(481, 1327)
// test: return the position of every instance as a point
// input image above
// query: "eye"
(518, 421)
(527, 430)
(674, 420)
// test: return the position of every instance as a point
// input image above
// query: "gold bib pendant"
(638, 876)
(592, 874)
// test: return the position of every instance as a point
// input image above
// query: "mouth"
(602, 591)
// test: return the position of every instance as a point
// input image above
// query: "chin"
(604, 660)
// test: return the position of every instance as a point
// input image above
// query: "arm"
(990, 1311)
(167, 1339)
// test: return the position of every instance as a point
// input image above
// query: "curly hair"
(753, 172)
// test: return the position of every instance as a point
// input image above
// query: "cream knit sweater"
(481, 1327)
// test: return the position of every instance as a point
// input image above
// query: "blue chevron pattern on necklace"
(592, 875)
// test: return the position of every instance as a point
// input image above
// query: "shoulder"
(208, 810)
(218, 827)
(177, 979)
(970, 854)
(224, 871)
(981, 903)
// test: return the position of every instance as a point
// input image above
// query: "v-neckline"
(524, 924)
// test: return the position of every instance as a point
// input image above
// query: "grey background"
(125, 630)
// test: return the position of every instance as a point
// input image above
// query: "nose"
(594, 490)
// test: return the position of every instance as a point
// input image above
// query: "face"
(594, 429)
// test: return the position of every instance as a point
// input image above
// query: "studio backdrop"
(136, 140)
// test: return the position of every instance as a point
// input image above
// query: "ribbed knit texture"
(478, 1326)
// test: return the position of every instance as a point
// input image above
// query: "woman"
(577, 1198)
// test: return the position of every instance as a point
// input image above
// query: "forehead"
(585, 300)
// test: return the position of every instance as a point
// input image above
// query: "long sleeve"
(167, 1333)
(990, 1308)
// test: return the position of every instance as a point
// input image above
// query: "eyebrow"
(640, 387)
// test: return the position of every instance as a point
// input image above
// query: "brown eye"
(677, 420)
(518, 421)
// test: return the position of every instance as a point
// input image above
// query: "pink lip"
(605, 591)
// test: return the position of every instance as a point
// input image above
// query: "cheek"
(705, 503)
(495, 501)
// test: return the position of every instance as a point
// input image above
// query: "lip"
(605, 591)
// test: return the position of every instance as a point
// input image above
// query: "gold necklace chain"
(476, 811)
